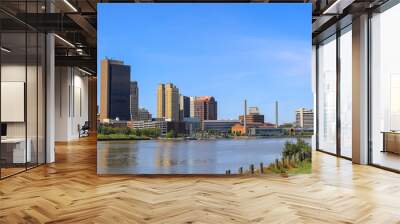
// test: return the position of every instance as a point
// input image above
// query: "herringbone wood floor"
(69, 191)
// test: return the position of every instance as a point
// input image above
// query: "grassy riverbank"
(296, 159)
(124, 133)
(110, 137)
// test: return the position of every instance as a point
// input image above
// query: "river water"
(186, 157)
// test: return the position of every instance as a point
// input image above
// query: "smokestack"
(244, 117)
(276, 114)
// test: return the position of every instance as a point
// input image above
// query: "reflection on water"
(185, 157)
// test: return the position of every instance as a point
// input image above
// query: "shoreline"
(201, 139)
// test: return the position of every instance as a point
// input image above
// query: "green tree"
(132, 131)
(300, 146)
(100, 129)
(155, 132)
(170, 134)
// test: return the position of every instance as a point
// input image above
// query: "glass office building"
(357, 83)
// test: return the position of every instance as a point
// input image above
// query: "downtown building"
(168, 102)
(149, 124)
(164, 126)
(134, 101)
(184, 107)
(191, 105)
(144, 115)
(115, 90)
(205, 108)
(220, 126)
(253, 116)
(305, 118)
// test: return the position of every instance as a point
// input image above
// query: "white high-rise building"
(305, 118)
(192, 99)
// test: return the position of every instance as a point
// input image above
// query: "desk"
(391, 142)
(13, 150)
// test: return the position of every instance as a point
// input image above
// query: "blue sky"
(258, 52)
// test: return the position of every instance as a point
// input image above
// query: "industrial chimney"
(244, 117)
(276, 115)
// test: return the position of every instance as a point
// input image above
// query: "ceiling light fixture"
(5, 50)
(64, 40)
(70, 5)
(84, 71)
(337, 7)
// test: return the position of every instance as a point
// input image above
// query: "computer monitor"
(3, 129)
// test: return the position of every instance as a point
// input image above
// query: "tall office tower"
(184, 107)
(305, 118)
(205, 108)
(161, 101)
(168, 102)
(134, 101)
(276, 114)
(171, 102)
(192, 99)
(115, 90)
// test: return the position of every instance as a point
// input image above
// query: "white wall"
(71, 103)
(16, 73)
(33, 126)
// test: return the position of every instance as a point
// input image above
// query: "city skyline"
(172, 105)
(207, 55)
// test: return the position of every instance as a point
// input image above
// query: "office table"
(13, 150)
(391, 141)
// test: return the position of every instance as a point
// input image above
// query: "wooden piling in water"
(252, 168)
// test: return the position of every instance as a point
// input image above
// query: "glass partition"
(22, 101)
(327, 95)
(13, 95)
